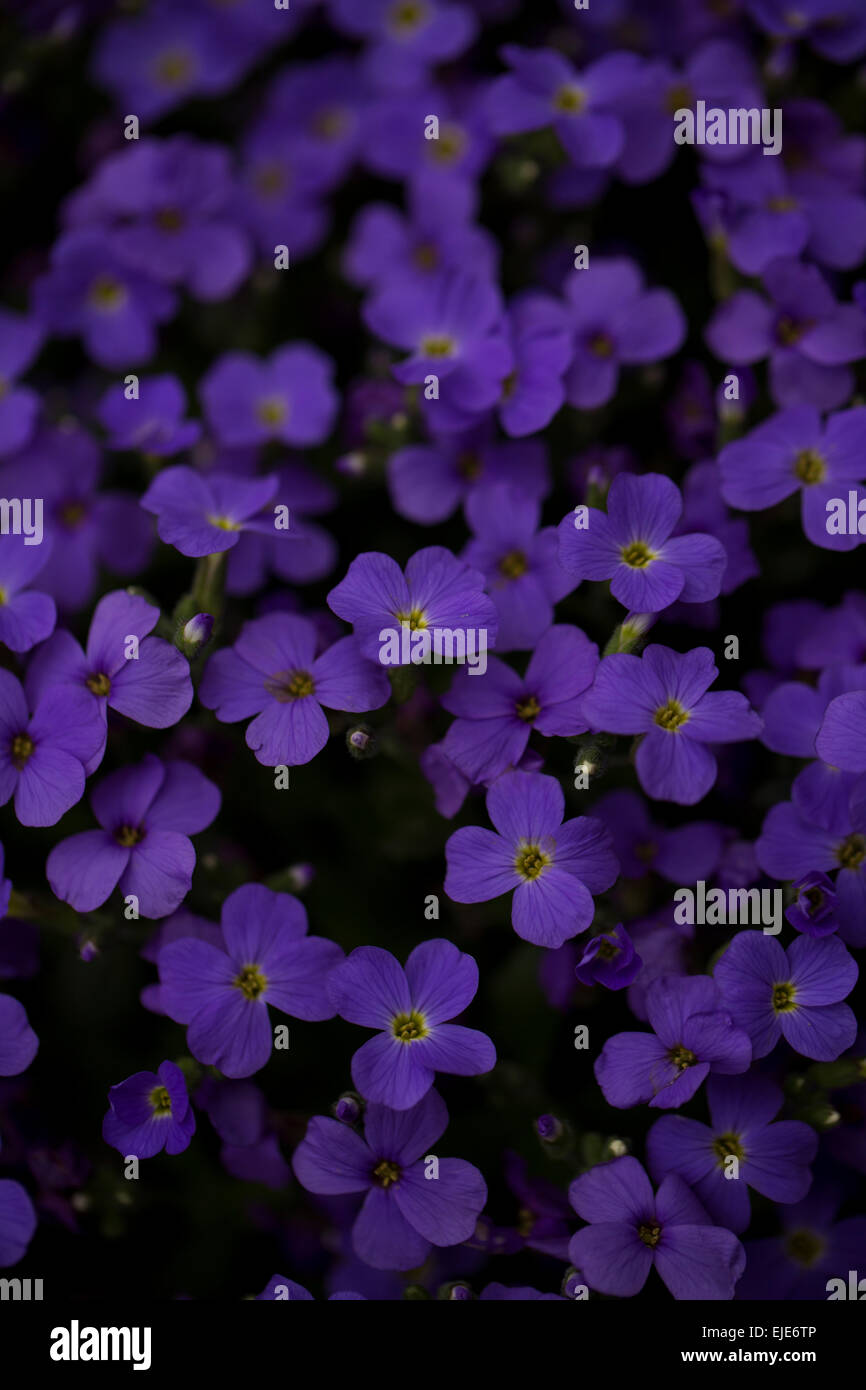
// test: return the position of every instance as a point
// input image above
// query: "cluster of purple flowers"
(485, 346)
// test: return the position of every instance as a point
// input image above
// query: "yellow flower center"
(532, 861)
(671, 716)
(408, 15)
(851, 852)
(174, 67)
(601, 345)
(728, 1146)
(128, 835)
(682, 1057)
(251, 982)
(272, 411)
(569, 99)
(649, 1234)
(637, 555)
(160, 1101)
(513, 565)
(438, 345)
(527, 709)
(99, 683)
(106, 294)
(805, 1247)
(784, 997)
(409, 1027)
(224, 523)
(22, 750)
(386, 1173)
(415, 618)
(810, 467)
(169, 220)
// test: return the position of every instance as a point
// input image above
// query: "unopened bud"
(348, 1108)
(196, 633)
(361, 741)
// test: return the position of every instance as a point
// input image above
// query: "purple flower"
(498, 711)
(17, 1222)
(223, 992)
(5, 886)
(541, 346)
(273, 672)
(27, 617)
(583, 108)
(616, 322)
(773, 1158)
(147, 814)
(405, 37)
(18, 1042)
(689, 851)
(200, 516)
(632, 546)
(154, 61)
(386, 244)
(813, 911)
(794, 715)
(693, 1035)
(524, 576)
(404, 1212)
(426, 481)
(554, 867)
(808, 337)
(20, 341)
(141, 677)
(438, 594)
(793, 995)
(312, 553)
(821, 833)
(794, 450)
(632, 1231)
(662, 695)
(811, 1249)
(89, 291)
(153, 421)
(43, 754)
(411, 1007)
(84, 528)
(149, 1112)
(290, 397)
(609, 959)
(164, 208)
(452, 326)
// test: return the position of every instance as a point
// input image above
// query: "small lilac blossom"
(813, 911)
(664, 695)
(223, 992)
(405, 37)
(149, 1112)
(147, 814)
(427, 481)
(795, 450)
(584, 108)
(794, 994)
(203, 515)
(152, 422)
(497, 712)
(552, 868)
(631, 1230)
(773, 1156)
(403, 1215)
(148, 682)
(609, 959)
(44, 750)
(411, 1007)
(273, 672)
(89, 292)
(693, 1035)
(27, 617)
(437, 592)
(632, 545)
(616, 322)
(289, 397)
